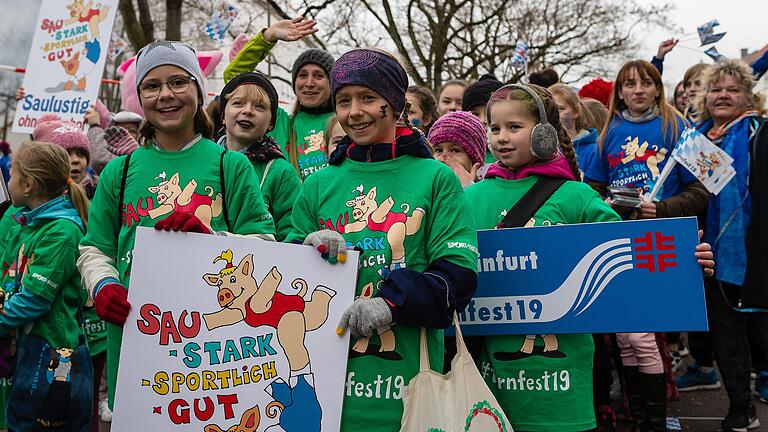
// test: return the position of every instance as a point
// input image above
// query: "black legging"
(601, 371)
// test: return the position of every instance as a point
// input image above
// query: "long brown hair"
(669, 115)
(553, 116)
(47, 165)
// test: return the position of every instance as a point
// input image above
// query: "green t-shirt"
(6, 224)
(538, 392)
(310, 139)
(280, 189)
(95, 331)
(158, 183)
(309, 128)
(489, 157)
(403, 212)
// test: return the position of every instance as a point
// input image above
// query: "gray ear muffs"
(544, 141)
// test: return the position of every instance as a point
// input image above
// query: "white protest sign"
(232, 332)
(710, 164)
(4, 195)
(66, 60)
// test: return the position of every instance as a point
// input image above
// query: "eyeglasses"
(151, 89)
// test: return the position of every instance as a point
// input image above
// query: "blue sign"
(631, 276)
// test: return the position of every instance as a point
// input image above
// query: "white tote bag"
(455, 402)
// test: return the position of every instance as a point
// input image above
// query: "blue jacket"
(586, 148)
(5, 167)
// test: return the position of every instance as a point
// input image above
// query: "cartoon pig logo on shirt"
(170, 196)
(368, 213)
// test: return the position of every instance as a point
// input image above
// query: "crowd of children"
(459, 160)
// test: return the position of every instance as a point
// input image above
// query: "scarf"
(265, 149)
(556, 167)
(407, 142)
(729, 212)
(717, 134)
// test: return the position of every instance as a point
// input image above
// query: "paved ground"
(698, 411)
(702, 411)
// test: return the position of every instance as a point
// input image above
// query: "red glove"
(112, 303)
(184, 222)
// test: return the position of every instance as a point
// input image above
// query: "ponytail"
(79, 200)
(47, 165)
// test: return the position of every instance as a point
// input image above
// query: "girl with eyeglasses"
(177, 180)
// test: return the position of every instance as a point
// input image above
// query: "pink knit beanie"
(51, 129)
(464, 129)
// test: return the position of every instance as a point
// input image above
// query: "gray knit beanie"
(319, 57)
(161, 53)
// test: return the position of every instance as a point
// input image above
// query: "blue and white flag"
(520, 56)
(116, 46)
(629, 276)
(710, 39)
(707, 33)
(223, 16)
(706, 161)
(713, 54)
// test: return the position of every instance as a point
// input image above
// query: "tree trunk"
(147, 26)
(173, 20)
(133, 29)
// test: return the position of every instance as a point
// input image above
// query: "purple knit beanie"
(373, 69)
(464, 129)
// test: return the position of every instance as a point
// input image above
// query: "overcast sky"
(745, 21)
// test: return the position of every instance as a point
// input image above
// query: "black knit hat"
(319, 57)
(257, 79)
(479, 92)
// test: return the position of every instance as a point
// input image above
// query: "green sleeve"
(103, 224)
(450, 227)
(304, 215)
(282, 131)
(245, 204)
(254, 51)
(286, 188)
(54, 260)
(595, 209)
(6, 225)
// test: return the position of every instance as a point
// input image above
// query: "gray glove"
(365, 315)
(330, 244)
